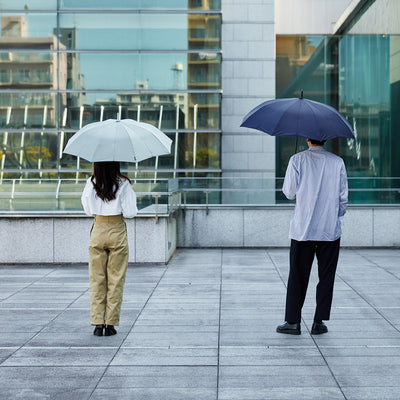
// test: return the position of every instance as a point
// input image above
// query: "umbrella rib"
(133, 147)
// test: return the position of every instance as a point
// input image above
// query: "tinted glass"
(28, 5)
(86, 107)
(141, 4)
(358, 75)
(176, 31)
(17, 29)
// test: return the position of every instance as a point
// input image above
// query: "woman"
(109, 197)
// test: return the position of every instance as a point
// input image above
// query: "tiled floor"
(202, 328)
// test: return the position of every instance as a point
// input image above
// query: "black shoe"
(98, 331)
(290, 329)
(318, 328)
(110, 330)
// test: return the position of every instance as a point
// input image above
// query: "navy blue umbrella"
(298, 117)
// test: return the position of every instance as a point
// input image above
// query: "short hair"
(317, 142)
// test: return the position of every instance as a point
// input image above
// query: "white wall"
(248, 79)
(307, 16)
(66, 239)
(269, 227)
(383, 16)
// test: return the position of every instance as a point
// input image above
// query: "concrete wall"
(383, 16)
(269, 227)
(308, 16)
(248, 79)
(66, 240)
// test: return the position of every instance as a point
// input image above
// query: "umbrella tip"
(301, 94)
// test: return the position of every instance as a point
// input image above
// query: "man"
(317, 180)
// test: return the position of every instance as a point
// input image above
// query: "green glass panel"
(358, 75)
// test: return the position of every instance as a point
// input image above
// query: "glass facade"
(66, 63)
(358, 75)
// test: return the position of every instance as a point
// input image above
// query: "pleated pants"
(108, 261)
(301, 258)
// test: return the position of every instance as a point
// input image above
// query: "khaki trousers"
(108, 261)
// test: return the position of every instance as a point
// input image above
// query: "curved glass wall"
(67, 63)
(359, 76)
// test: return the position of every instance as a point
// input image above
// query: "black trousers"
(301, 259)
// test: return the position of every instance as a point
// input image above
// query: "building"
(195, 68)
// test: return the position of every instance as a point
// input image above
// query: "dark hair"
(106, 179)
(317, 142)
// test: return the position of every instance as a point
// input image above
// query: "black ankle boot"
(110, 330)
(98, 331)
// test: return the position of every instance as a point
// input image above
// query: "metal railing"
(165, 196)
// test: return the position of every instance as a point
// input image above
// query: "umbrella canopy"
(298, 117)
(118, 140)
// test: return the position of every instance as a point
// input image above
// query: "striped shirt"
(317, 180)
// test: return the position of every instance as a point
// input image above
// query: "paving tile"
(246, 355)
(159, 377)
(166, 356)
(281, 393)
(175, 331)
(162, 339)
(46, 394)
(15, 339)
(371, 393)
(85, 338)
(275, 376)
(45, 378)
(6, 352)
(50, 356)
(155, 394)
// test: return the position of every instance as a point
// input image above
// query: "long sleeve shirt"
(124, 202)
(317, 179)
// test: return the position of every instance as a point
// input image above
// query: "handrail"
(176, 197)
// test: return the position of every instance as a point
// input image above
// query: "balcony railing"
(163, 197)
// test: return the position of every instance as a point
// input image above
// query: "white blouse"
(124, 202)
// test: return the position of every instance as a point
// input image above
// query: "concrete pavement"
(202, 328)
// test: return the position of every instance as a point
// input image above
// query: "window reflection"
(141, 4)
(356, 74)
(54, 79)
(177, 31)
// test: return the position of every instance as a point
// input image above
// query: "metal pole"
(63, 124)
(176, 140)
(101, 113)
(138, 120)
(5, 140)
(194, 138)
(78, 160)
(159, 127)
(41, 142)
(21, 151)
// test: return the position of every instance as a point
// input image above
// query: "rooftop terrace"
(202, 328)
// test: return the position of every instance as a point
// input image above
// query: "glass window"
(140, 31)
(142, 71)
(140, 4)
(23, 26)
(358, 75)
(64, 69)
(27, 5)
(27, 109)
(86, 107)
